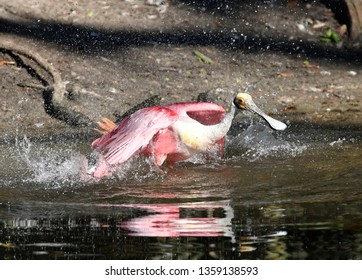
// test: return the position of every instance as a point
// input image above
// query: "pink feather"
(133, 133)
(149, 132)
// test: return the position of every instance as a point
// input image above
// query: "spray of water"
(259, 142)
(59, 167)
(49, 166)
(138, 169)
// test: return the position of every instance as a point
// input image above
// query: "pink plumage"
(133, 133)
(152, 132)
(170, 133)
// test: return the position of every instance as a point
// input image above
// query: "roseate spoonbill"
(169, 133)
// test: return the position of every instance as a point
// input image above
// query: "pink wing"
(134, 133)
(204, 112)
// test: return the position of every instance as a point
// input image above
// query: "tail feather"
(105, 126)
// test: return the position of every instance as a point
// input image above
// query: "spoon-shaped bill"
(275, 124)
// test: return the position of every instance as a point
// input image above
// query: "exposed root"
(55, 102)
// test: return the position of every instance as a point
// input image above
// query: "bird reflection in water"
(207, 219)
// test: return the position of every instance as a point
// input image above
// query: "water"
(291, 195)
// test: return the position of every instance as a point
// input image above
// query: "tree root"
(55, 101)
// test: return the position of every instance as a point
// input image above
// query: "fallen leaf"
(3, 62)
(314, 89)
(330, 37)
(290, 108)
(7, 245)
(292, 4)
(306, 64)
(203, 57)
(331, 90)
(319, 25)
(286, 74)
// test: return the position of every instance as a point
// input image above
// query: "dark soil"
(114, 54)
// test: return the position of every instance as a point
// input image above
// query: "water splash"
(212, 158)
(46, 165)
(56, 166)
(137, 168)
(259, 142)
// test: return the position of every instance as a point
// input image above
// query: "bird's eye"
(240, 103)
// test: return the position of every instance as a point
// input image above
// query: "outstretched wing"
(206, 113)
(133, 133)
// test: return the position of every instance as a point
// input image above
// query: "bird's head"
(244, 101)
(241, 100)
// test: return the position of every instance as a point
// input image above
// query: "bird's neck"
(222, 128)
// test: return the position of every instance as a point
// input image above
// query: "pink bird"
(169, 133)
